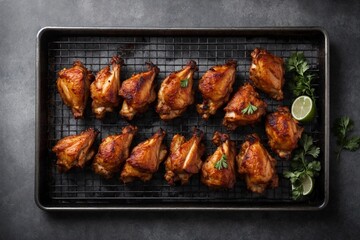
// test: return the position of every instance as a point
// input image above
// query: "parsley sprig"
(301, 83)
(303, 164)
(184, 82)
(222, 163)
(250, 109)
(342, 127)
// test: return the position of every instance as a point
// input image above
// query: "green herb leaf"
(250, 109)
(184, 82)
(222, 163)
(301, 82)
(288, 174)
(303, 68)
(314, 166)
(295, 60)
(341, 128)
(314, 151)
(306, 142)
(302, 165)
(297, 193)
(352, 144)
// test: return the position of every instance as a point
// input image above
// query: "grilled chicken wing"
(138, 92)
(75, 150)
(240, 110)
(223, 177)
(73, 85)
(113, 152)
(185, 158)
(176, 92)
(283, 132)
(104, 90)
(257, 165)
(267, 72)
(145, 159)
(216, 87)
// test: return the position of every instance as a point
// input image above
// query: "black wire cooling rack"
(169, 53)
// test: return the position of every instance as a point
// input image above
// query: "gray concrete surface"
(21, 219)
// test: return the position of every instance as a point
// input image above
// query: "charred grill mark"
(117, 60)
(128, 96)
(271, 119)
(231, 62)
(252, 138)
(218, 75)
(152, 67)
(192, 65)
(198, 132)
(139, 84)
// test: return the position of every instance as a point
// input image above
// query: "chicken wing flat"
(216, 87)
(113, 152)
(104, 90)
(185, 158)
(283, 132)
(73, 85)
(145, 159)
(267, 73)
(216, 174)
(176, 92)
(138, 92)
(256, 164)
(246, 107)
(75, 150)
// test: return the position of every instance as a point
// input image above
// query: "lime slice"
(307, 184)
(303, 109)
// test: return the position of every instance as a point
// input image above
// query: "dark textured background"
(20, 218)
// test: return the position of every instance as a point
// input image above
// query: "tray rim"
(181, 30)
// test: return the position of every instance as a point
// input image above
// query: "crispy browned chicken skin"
(75, 150)
(185, 158)
(145, 159)
(267, 73)
(113, 152)
(73, 85)
(235, 115)
(225, 177)
(256, 164)
(176, 92)
(216, 87)
(104, 90)
(138, 92)
(283, 132)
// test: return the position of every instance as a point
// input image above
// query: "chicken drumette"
(218, 171)
(267, 73)
(283, 132)
(138, 92)
(145, 159)
(75, 150)
(185, 158)
(244, 108)
(176, 92)
(104, 90)
(256, 164)
(216, 87)
(113, 151)
(73, 85)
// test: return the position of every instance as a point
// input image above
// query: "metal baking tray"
(170, 49)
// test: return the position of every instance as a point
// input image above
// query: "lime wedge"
(303, 109)
(307, 184)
